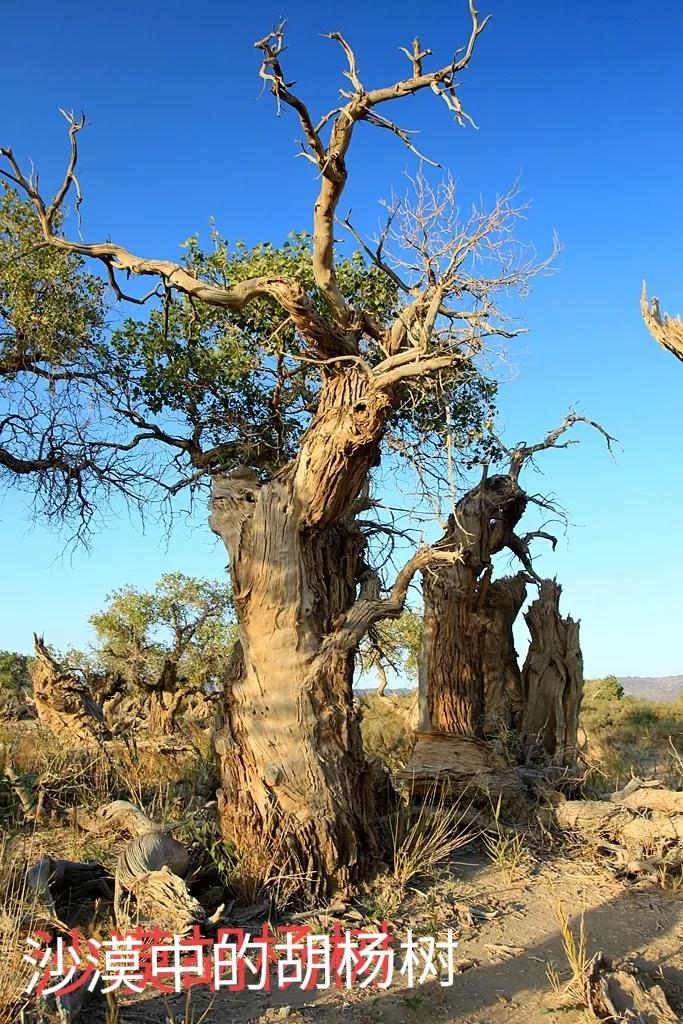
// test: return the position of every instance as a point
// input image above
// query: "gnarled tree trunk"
(456, 618)
(503, 698)
(162, 710)
(552, 678)
(289, 748)
(63, 702)
(451, 676)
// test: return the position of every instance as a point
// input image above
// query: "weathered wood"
(119, 815)
(289, 747)
(627, 831)
(465, 767)
(552, 679)
(163, 899)
(665, 329)
(621, 992)
(503, 698)
(454, 647)
(151, 869)
(64, 704)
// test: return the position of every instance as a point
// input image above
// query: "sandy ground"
(503, 954)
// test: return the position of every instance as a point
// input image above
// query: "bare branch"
(371, 608)
(323, 336)
(522, 453)
(360, 106)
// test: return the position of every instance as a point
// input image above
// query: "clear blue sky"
(581, 100)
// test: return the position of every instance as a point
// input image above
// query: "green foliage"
(608, 688)
(15, 678)
(51, 309)
(235, 379)
(154, 403)
(394, 644)
(185, 620)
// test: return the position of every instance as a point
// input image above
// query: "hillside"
(664, 688)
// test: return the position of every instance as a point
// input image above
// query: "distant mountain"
(665, 688)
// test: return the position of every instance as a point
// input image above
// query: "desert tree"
(469, 679)
(552, 681)
(64, 703)
(166, 644)
(667, 330)
(340, 362)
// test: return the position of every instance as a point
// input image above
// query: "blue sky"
(581, 101)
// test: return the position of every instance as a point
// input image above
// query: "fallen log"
(61, 883)
(120, 815)
(151, 869)
(641, 827)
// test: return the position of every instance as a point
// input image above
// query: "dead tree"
(468, 655)
(667, 330)
(289, 752)
(451, 676)
(552, 679)
(64, 704)
(503, 696)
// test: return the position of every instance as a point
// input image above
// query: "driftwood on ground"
(643, 827)
(622, 993)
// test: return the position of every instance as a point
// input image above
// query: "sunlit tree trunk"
(456, 614)
(289, 750)
(552, 679)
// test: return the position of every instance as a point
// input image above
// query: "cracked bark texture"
(64, 704)
(456, 616)
(552, 679)
(503, 697)
(289, 749)
(665, 329)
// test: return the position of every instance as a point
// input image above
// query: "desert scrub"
(630, 736)
(386, 728)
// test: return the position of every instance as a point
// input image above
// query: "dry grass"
(505, 847)
(423, 839)
(262, 874)
(20, 915)
(632, 737)
(573, 990)
(189, 1013)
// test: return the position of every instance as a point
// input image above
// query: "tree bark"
(552, 678)
(667, 330)
(503, 698)
(289, 748)
(452, 663)
(63, 703)
(162, 710)
(451, 668)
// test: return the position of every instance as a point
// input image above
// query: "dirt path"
(503, 955)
